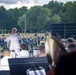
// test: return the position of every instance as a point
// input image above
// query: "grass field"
(32, 34)
(25, 35)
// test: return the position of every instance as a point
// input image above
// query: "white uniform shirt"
(24, 54)
(4, 60)
(4, 63)
(14, 42)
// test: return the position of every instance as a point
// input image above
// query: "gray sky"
(19, 3)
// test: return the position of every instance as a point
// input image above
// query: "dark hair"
(66, 64)
(23, 46)
(5, 49)
(70, 40)
(71, 46)
(42, 48)
(2, 35)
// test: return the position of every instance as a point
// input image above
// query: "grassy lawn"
(32, 34)
(25, 35)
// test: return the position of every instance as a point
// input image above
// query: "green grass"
(32, 34)
(25, 35)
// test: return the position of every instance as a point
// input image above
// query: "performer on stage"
(13, 41)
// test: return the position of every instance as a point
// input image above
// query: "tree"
(43, 19)
(69, 12)
(21, 22)
(55, 6)
(9, 18)
(13, 16)
(37, 18)
(3, 16)
(55, 19)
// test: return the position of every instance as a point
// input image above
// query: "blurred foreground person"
(24, 53)
(6, 56)
(13, 42)
(66, 64)
(54, 49)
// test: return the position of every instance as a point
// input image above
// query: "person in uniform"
(13, 42)
(24, 53)
(4, 65)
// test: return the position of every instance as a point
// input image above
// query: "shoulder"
(6, 57)
(24, 51)
(4, 60)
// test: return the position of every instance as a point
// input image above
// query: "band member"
(13, 41)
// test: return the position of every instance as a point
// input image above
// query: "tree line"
(38, 18)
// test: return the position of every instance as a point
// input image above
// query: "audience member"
(69, 41)
(42, 51)
(66, 64)
(4, 60)
(55, 49)
(23, 53)
(6, 56)
(71, 47)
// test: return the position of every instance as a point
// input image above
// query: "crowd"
(16, 47)
(61, 55)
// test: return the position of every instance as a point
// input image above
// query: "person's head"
(14, 30)
(3, 35)
(23, 47)
(42, 50)
(70, 40)
(71, 47)
(5, 51)
(66, 64)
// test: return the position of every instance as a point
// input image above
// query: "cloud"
(28, 3)
(9, 1)
(13, 1)
(41, 2)
(36, 1)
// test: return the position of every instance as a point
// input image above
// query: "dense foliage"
(38, 18)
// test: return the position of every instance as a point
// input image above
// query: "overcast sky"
(19, 3)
